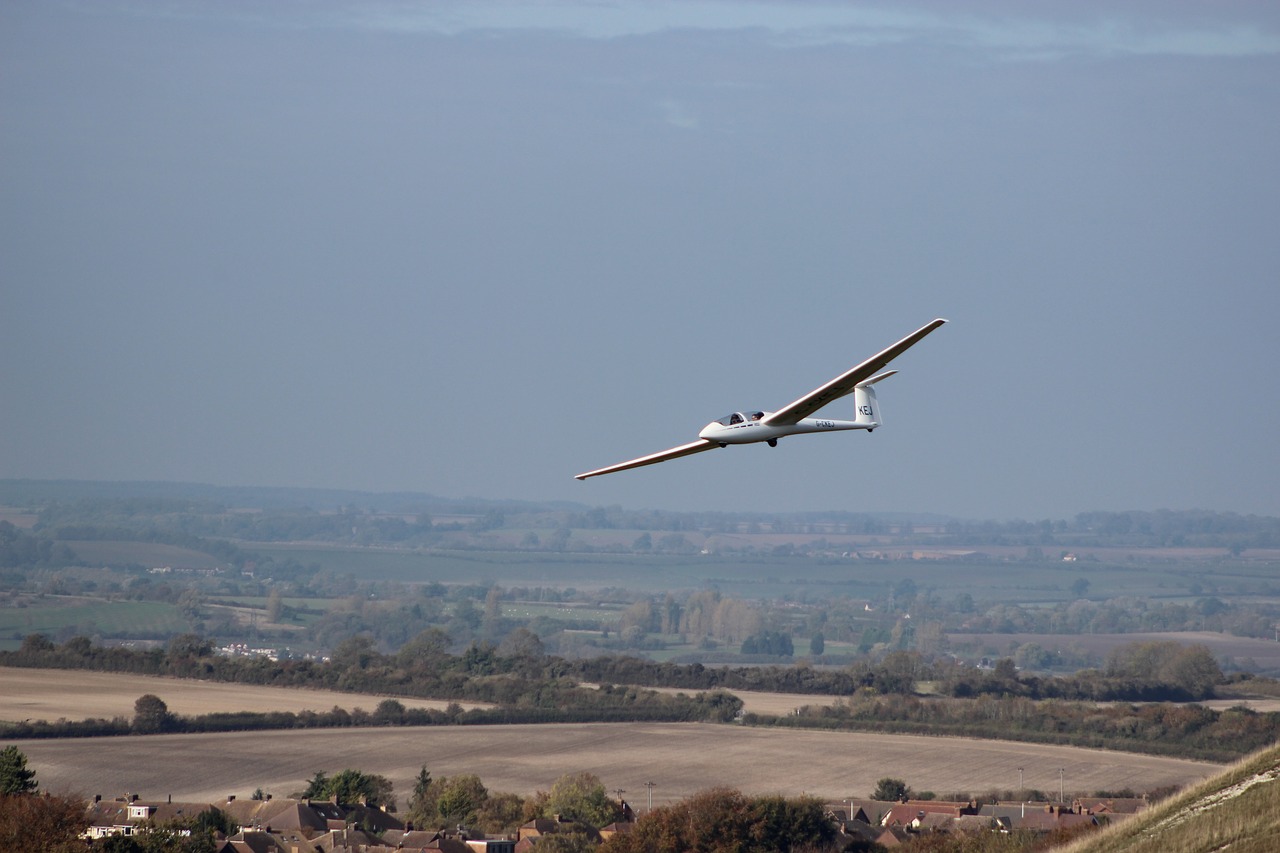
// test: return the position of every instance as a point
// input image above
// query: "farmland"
(53, 694)
(89, 616)
(680, 758)
(1264, 654)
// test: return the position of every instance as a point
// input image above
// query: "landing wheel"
(723, 444)
(773, 442)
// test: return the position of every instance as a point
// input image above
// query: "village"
(301, 825)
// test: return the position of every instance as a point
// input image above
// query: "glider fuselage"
(750, 427)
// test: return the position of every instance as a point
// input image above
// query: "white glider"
(793, 418)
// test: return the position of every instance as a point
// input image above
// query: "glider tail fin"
(865, 403)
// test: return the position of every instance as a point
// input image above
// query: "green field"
(777, 577)
(147, 554)
(563, 611)
(88, 617)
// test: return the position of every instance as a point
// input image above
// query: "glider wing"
(843, 384)
(662, 456)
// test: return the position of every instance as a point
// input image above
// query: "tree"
(460, 798)
(151, 715)
(500, 814)
(581, 797)
(15, 778)
(351, 786)
(427, 649)
(275, 605)
(43, 824)
(1194, 670)
(567, 840)
(723, 819)
(521, 643)
(36, 644)
(421, 787)
(389, 712)
(890, 789)
(317, 787)
(817, 644)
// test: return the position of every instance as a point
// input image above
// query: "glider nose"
(709, 431)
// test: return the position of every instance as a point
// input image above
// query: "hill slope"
(1237, 810)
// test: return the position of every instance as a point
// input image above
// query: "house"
(421, 841)
(310, 818)
(257, 841)
(607, 832)
(1054, 817)
(903, 814)
(1111, 806)
(123, 815)
(529, 833)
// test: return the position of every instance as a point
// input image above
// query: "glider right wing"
(794, 412)
(662, 456)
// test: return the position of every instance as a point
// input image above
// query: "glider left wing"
(793, 413)
(662, 456)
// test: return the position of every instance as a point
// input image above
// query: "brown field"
(52, 694)
(679, 758)
(755, 702)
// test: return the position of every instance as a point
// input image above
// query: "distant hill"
(22, 492)
(1237, 810)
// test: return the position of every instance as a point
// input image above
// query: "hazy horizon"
(471, 250)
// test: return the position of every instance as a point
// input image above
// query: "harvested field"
(52, 694)
(680, 758)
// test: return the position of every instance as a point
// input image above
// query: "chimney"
(231, 798)
(169, 799)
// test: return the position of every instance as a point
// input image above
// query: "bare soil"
(679, 758)
(53, 694)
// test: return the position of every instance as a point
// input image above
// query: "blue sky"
(474, 249)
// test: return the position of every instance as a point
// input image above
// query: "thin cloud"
(1009, 35)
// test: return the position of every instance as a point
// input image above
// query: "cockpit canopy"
(739, 418)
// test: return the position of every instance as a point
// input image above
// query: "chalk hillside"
(1237, 810)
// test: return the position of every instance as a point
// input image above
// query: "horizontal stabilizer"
(874, 379)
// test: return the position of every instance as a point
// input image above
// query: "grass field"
(1265, 654)
(88, 616)
(779, 576)
(147, 554)
(679, 758)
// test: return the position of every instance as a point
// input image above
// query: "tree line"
(1187, 731)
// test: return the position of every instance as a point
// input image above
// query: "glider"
(793, 418)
